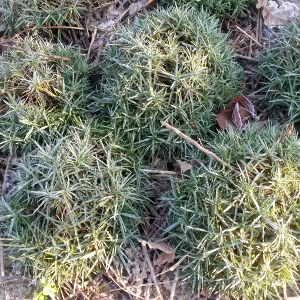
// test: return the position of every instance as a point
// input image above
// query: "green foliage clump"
(18, 15)
(280, 69)
(40, 93)
(241, 232)
(224, 9)
(72, 208)
(172, 65)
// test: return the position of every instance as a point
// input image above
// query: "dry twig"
(92, 42)
(162, 172)
(202, 149)
(247, 57)
(63, 27)
(174, 285)
(249, 36)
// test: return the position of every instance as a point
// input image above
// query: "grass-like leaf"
(172, 65)
(241, 233)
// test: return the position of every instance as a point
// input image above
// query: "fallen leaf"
(164, 258)
(246, 107)
(167, 255)
(233, 114)
(224, 119)
(158, 246)
(278, 15)
(137, 6)
(183, 166)
(236, 117)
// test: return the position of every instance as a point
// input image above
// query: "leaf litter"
(167, 255)
(236, 113)
(278, 14)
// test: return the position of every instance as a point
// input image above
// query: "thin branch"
(162, 172)
(247, 57)
(63, 27)
(174, 285)
(92, 41)
(249, 36)
(39, 54)
(202, 149)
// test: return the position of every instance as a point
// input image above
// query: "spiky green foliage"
(72, 208)
(20, 14)
(172, 65)
(280, 69)
(224, 9)
(40, 93)
(241, 232)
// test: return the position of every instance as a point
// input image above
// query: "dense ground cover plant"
(172, 65)
(18, 15)
(72, 209)
(224, 9)
(40, 93)
(280, 68)
(241, 232)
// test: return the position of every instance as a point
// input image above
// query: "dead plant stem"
(247, 58)
(249, 36)
(202, 149)
(174, 285)
(92, 42)
(162, 172)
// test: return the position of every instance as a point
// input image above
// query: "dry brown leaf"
(183, 166)
(278, 15)
(224, 118)
(164, 258)
(167, 255)
(238, 108)
(236, 117)
(158, 246)
(246, 108)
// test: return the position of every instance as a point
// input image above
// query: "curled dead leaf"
(167, 255)
(233, 114)
(236, 117)
(224, 118)
(246, 108)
